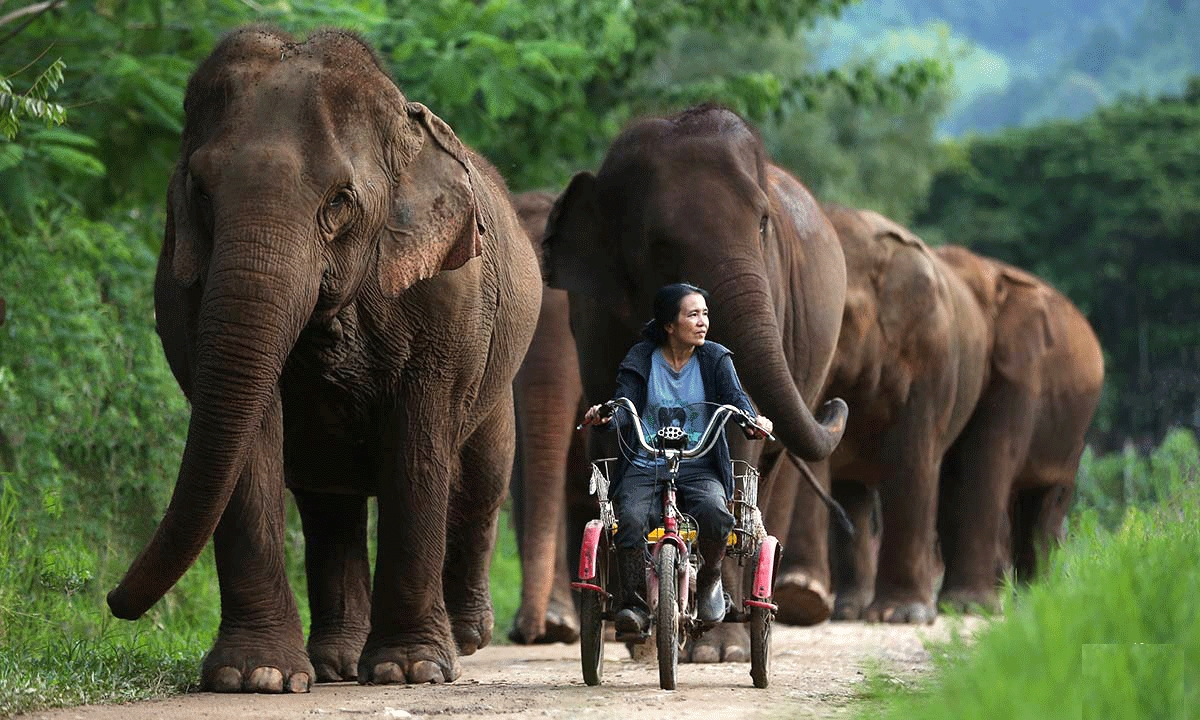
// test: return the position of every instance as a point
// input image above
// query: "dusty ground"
(815, 675)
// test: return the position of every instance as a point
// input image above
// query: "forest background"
(1063, 137)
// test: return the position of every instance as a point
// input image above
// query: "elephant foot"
(257, 662)
(802, 600)
(850, 605)
(334, 656)
(472, 627)
(971, 602)
(725, 642)
(421, 662)
(900, 612)
(559, 624)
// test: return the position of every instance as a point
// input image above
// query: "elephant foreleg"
(471, 528)
(803, 588)
(410, 638)
(909, 495)
(260, 644)
(854, 559)
(983, 464)
(339, 581)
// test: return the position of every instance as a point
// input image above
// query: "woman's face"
(691, 324)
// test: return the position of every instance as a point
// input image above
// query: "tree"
(1107, 208)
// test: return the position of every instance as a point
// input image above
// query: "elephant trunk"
(255, 303)
(549, 394)
(744, 315)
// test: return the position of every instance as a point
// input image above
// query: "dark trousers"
(698, 493)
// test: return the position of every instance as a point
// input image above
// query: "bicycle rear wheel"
(666, 628)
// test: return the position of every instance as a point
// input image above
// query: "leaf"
(72, 160)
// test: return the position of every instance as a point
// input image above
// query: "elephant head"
(1016, 303)
(692, 198)
(306, 181)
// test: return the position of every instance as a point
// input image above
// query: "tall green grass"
(1112, 632)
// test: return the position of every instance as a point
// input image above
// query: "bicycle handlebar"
(720, 416)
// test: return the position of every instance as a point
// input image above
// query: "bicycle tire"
(666, 628)
(591, 625)
(760, 646)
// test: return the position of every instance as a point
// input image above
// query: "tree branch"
(35, 11)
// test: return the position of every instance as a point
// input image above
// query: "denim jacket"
(721, 385)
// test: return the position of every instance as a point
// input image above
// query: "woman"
(672, 377)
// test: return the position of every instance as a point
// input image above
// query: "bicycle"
(674, 557)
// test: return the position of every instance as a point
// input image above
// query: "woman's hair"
(666, 308)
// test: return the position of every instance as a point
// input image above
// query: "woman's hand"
(593, 417)
(760, 427)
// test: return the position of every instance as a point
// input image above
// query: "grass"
(1106, 635)
(59, 646)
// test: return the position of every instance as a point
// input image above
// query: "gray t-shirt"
(675, 398)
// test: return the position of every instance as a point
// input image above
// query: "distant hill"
(1021, 61)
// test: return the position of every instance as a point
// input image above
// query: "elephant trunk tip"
(832, 417)
(123, 606)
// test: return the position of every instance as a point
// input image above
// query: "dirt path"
(815, 674)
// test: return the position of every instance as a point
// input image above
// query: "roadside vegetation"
(1108, 633)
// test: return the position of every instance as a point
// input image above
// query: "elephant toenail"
(266, 680)
(705, 654)
(426, 671)
(226, 679)
(299, 683)
(736, 653)
(387, 673)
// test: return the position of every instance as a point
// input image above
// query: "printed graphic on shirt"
(676, 399)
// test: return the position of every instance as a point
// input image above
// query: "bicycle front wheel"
(667, 623)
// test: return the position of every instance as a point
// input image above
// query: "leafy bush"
(1105, 635)
(1109, 485)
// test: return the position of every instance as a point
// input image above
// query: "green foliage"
(1106, 635)
(1105, 208)
(34, 103)
(1109, 486)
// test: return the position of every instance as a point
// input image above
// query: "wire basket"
(748, 530)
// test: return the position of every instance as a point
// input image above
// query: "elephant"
(344, 294)
(694, 197)
(910, 363)
(1010, 477)
(551, 466)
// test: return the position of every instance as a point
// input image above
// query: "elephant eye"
(204, 210)
(762, 226)
(340, 199)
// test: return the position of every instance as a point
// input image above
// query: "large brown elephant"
(344, 294)
(694, 197)
(1010, 477)
(910, 364)
(550, 456)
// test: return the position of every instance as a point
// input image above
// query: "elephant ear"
(575, 253)
(907, 272)
(1024, 331)
(434, 223)
(181, 237)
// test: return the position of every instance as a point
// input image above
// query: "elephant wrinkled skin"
(344, 294)
(550, 473)
(694, 197)
(910, 363)
(1009, 479)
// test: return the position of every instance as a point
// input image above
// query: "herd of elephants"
(356, 306)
